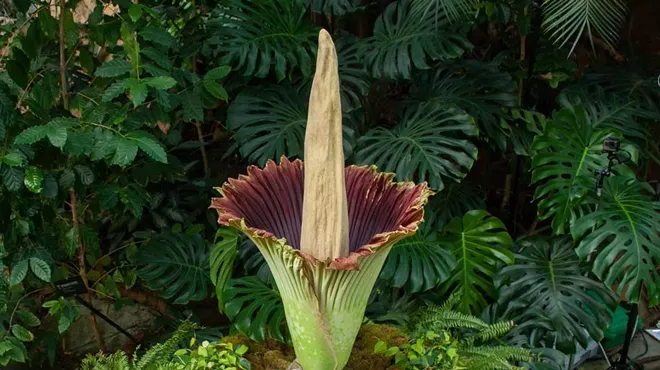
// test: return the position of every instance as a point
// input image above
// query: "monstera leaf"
(624, 233)
(407, 35)
(565, 158)
(263, 35)
(479, 242)
(336, 7)
(177, 265)
(453, 201)
(479, 88)
(557, 299)
(221, 260)
(255, 309)
(270, 121)
(429, 144)
(418, 263)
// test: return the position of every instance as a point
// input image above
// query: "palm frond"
(568, 20)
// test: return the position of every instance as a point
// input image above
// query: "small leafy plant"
(212, 356)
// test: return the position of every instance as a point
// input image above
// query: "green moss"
(272, 355)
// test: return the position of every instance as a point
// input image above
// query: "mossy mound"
(272, 355)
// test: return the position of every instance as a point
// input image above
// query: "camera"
(611, 145)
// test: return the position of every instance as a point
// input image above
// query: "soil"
(272, 355)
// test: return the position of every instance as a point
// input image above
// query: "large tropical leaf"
(429, 144)
(565, 158)
(479, 242)
(568, 20)
(629, 83)
(255, 309)
(336, 7)
(177, 265)
(455, 10)
(624, 233)
(479, 88)
(270, 121)
(407, 35)
(221, 260)
(453, 201)
(556, 300)
(391, 306)
(262, 36)
(418, 263)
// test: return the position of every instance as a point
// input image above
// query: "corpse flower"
(323, 229)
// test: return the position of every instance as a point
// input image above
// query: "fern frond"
(100, 361)
(496, 353)
(495, 330)
(161, 353)
(451, 302)
(438, 318)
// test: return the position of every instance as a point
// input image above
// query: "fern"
(161, 352)
(100, 361)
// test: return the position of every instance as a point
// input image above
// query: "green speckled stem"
(324, 308)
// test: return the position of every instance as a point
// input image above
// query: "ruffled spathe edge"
(412, 215)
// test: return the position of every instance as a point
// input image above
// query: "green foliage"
(254, 308)
(429, 144)
(270, 121)
(568, 21)
(264, 36)
(177, 265)
(566, 156)
(221, 260)
(555, 297)
(167, 356)
(479, 242)
(408, 36)
(418, 263)
(446, 339)
(621, 236)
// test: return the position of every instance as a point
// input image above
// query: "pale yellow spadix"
(324, 233)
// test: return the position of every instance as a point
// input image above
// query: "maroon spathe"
(270, 202)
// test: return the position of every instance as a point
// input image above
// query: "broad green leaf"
(418, 263)
(113, 68)
(18, 272)
(161, 83)
(192, 106)
(177, 265)
(71, 241)
(479, 88)
(125, 153)
(12, 159)
(12, 177)
(407, 35)
(67, 179)
(221, 261)
(31, 135)
(85, 174)
(138, 90)
(270, 121)
(114, 90)
(21, 333)
(50, 186)
(40, 269)
(269, 36)
(79, 143)
(623, 236)
(556, 300)
(33, 180)
(211, 84)
(63, 323)
(564, 160)
(27, 318)
(155, 55)
(158, 36)
(429, 144)
(454, 200)
(135, 12)
(336, 7)
(149, 145)
(255, 309)
(57, 135)
(479, 242)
